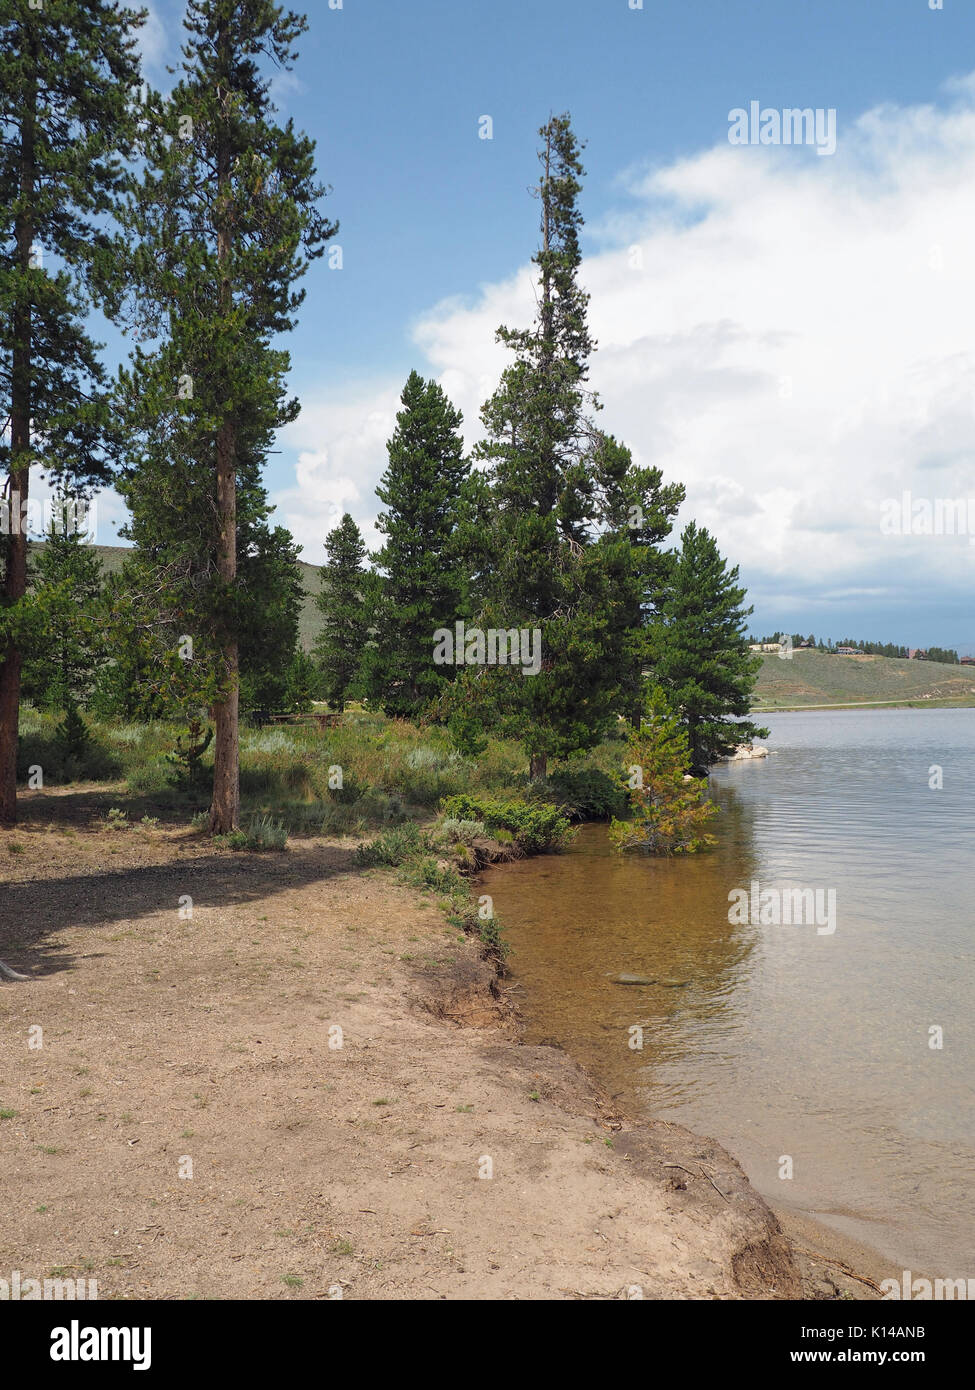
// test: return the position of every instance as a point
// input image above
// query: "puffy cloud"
(789, 335)
(341, 457)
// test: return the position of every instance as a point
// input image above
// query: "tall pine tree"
(226, 220)
(424, 583)
(67, 72)
(574, 526)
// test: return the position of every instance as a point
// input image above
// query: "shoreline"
(830, 1264)
(915, 703)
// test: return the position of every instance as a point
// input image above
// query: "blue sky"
(437, 228)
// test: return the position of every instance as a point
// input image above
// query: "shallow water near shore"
(787, 1040)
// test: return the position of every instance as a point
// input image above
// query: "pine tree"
(700, 651)
(424, 585)
(226, 222)
(342, 603)
(304, 683)
(574, 525)
(67, 72)
(159, 599)
(61, 669)
(669, 813)
(271, 596)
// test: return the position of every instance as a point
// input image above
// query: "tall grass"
(366, 772)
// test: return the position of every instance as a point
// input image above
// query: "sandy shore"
(314, 1087)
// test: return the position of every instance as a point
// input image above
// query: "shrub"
(537, 827)
(394, 847)
(152, 777)
(589, 794)
(263, 833)
(266, 833)
(463, 832)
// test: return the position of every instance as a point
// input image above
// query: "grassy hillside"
(813, 678)
(309, 622)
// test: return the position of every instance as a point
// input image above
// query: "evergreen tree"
(225, 218)
(157, 602)
(342, 603)
(61, 668)
(271, 596)
(669, 813)
(67, 72)
(304, 683)
(574, 526)
(700, 651)
(424, 584)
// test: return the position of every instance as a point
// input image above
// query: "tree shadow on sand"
(33, 911)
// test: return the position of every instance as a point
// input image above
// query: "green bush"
(589, 794)
(263, 833)
(151, 778)
(394, 847)
(537, 827)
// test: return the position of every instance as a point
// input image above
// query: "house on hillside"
(916, 654)
(847, 651)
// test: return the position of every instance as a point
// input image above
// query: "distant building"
(967, 661)
(916, 654)
(847, 651)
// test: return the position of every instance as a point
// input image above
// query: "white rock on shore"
(744, 751)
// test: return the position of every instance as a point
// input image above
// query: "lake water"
(786, 1040)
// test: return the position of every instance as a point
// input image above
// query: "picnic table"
(323, 720)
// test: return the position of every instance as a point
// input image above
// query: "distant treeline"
(943, 654)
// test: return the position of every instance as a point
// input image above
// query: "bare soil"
(430, 1155)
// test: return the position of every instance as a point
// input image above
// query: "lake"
(790, 1041)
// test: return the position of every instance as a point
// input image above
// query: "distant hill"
(809, 678)
(816, 678)
(309, 622)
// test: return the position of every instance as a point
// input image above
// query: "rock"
(745, 751)
(646, 980)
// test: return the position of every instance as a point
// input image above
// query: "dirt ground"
(312, 1087)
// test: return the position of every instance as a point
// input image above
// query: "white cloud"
(342, 455)
(793, 341)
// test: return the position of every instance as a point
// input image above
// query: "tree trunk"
(225, 808)
(538, 767)
(15, 570)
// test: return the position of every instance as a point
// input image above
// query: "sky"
(789, 333)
